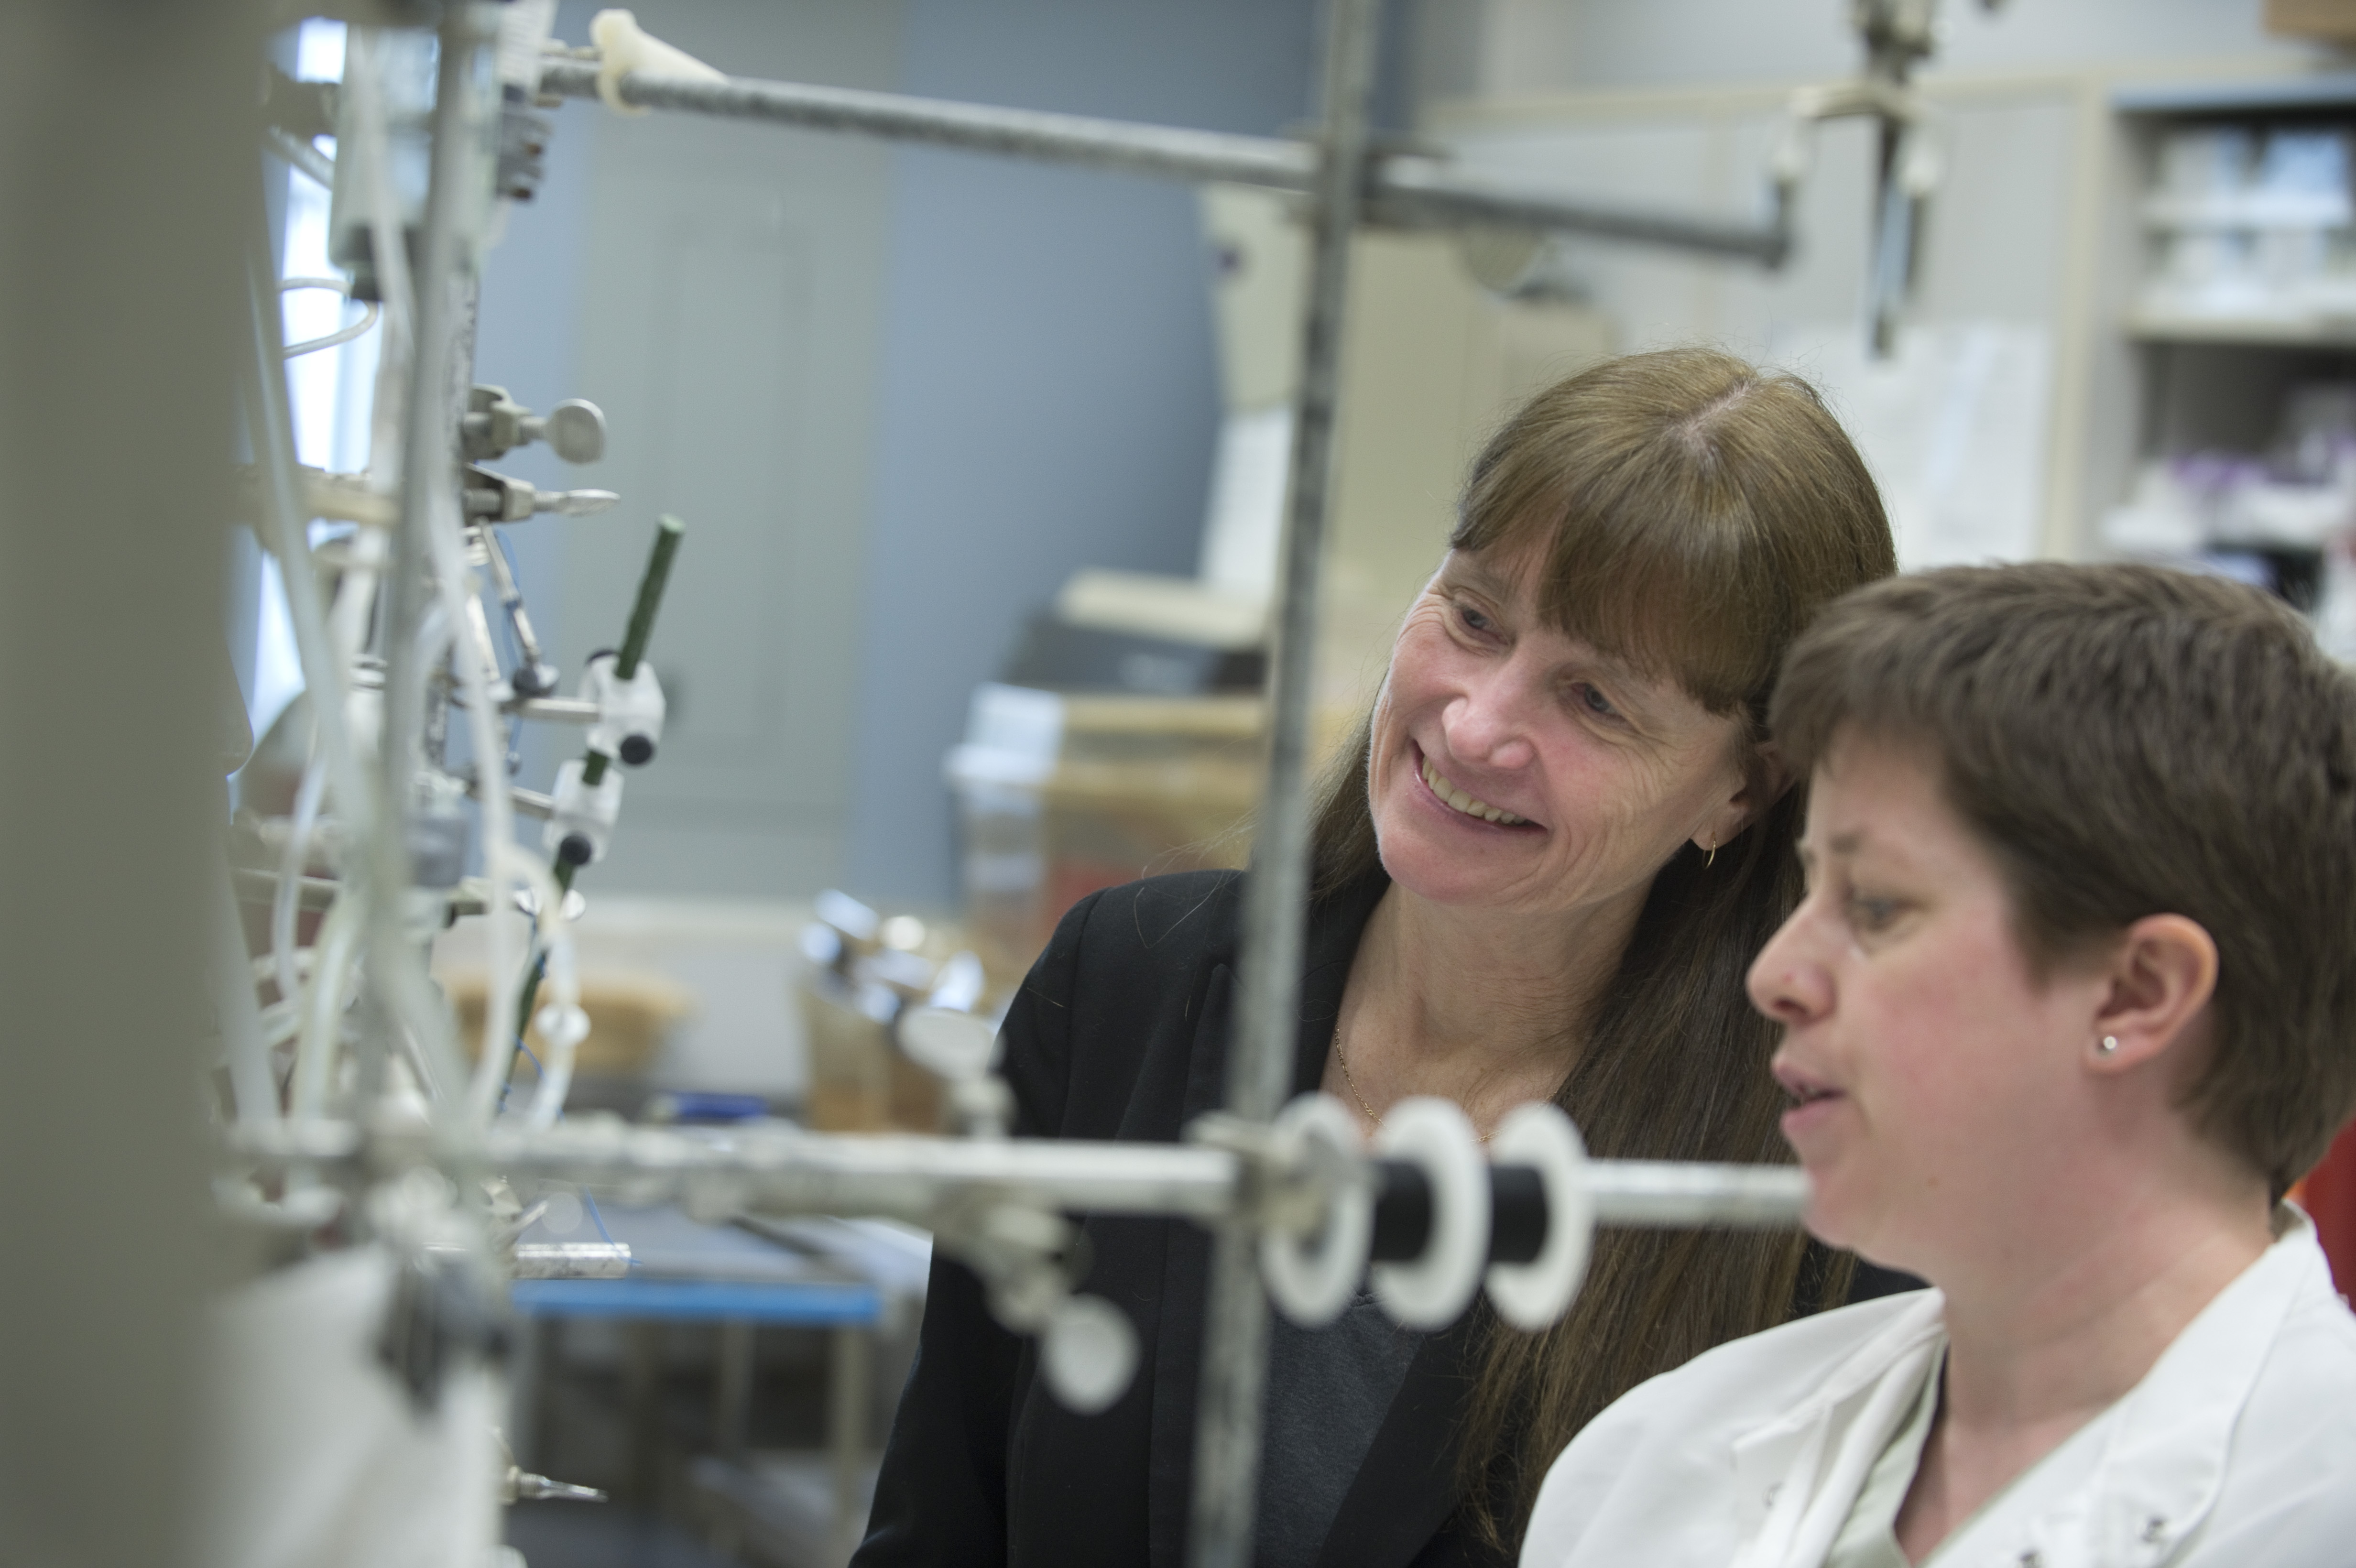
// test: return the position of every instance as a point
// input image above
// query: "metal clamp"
(495, 424)
(630, 711)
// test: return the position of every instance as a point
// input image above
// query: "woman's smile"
(1476, 811)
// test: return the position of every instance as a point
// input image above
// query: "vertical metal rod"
(441, 288)
(1259, 1067)
(533, 677)
(1887, 277)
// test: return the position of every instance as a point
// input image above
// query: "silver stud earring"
(2110, 1044)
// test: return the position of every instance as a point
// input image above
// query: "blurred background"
(982, 463)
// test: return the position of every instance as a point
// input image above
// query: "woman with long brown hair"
(1540, 872)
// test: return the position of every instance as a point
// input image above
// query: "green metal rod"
(669, 530)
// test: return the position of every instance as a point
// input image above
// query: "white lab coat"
(2236, 1450)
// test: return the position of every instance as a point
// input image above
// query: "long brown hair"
(1695, 511)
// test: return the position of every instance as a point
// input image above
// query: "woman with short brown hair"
(1540, 872)
(2068, 1006)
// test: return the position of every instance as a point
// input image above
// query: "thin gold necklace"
(1373, 1118)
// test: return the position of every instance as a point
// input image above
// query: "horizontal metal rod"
(1666, 1193)
(572, 1260)
(1413, 191)
(556, 710)
(1404, 190)
(814, 1172)
(1164, 151)
(788, 1170)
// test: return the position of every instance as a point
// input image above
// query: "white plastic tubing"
(322, 672)
(507, 865)
(330, 647)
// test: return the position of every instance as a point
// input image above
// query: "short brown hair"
(2129, 741)
(1690, 512)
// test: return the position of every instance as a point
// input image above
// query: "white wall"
(716, 289)
(1049, 399)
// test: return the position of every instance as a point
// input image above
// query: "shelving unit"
(2163, 328)
(2218, 381)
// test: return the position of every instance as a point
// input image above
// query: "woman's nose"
(1785, 982)
(1486, 724)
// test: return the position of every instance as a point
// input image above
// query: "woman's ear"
(1763, 780)
(1768, 776)
(2162, 973)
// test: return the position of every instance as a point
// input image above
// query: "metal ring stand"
(1296, 1206)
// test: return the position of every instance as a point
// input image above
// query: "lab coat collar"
(1797, 1476)
(2164, 1444)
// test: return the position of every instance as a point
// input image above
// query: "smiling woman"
(1635, 550)
(1539, 873)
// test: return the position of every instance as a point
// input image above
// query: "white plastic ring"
(1532, 1296)
(1431, 1291)
(1310, 1278)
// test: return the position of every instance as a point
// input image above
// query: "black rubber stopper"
(575, 849)
(1517, 1213)
(1402, 1212)
(637, 750)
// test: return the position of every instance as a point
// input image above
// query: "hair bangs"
(1650, 563)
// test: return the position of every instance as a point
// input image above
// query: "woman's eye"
(1473, 620)
(1594, 702)
(1869, 914)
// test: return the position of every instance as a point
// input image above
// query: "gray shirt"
(1328, 1391)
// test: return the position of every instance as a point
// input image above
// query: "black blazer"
(1120, 1031)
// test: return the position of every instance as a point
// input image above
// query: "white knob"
(1089, 1352)
(575, 429)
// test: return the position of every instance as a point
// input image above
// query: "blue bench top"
(812, 1302)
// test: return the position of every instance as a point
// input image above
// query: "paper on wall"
(1954, 426)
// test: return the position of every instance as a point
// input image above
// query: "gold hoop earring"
(1705, 865)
